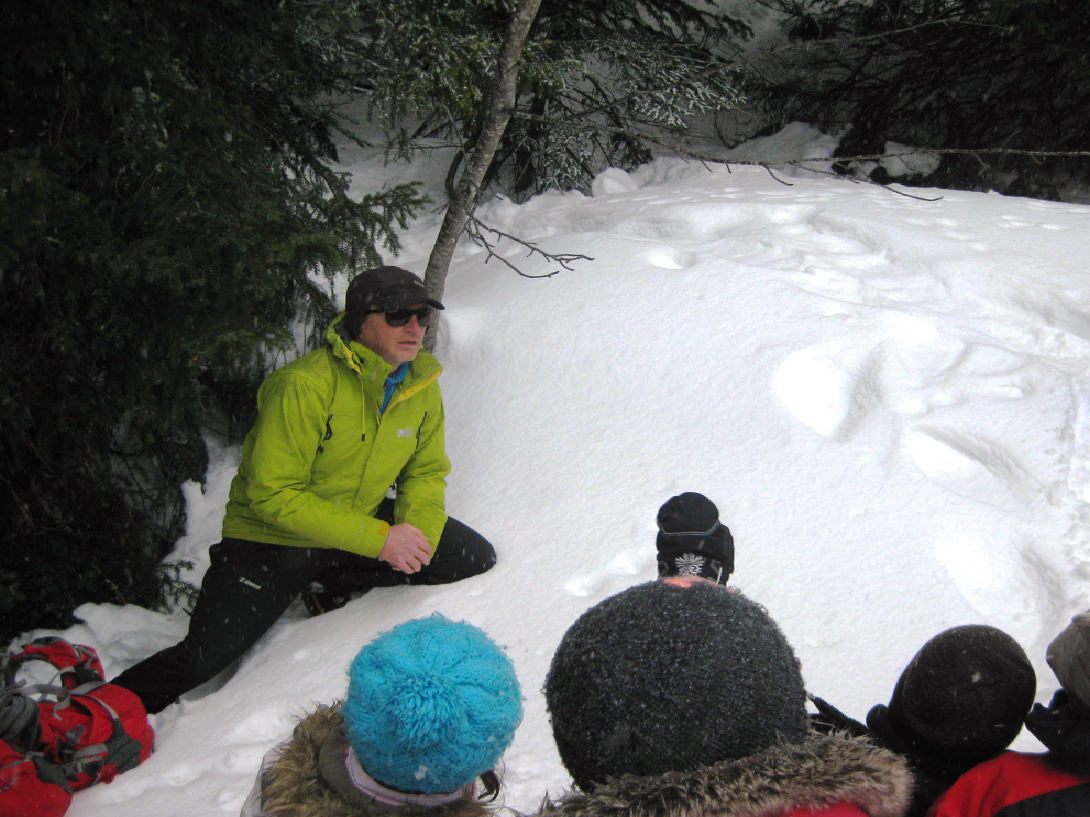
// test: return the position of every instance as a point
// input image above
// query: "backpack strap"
(49, 772)
(19, 718)
(89, 686)
(7, 671)
(62, 694)
(21, 729)
(121, 747)
(89, 760)
(82, 669)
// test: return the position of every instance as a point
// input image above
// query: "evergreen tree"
(949, 74)
(601, 82)
(168, 206)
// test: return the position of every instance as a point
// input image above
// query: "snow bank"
(887, 398)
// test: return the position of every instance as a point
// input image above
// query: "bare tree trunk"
(502, 104)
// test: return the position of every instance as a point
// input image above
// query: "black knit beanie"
(963, 696)
(665, 678)
(692, 541)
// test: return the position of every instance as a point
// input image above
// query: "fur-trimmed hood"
(822, 772)
(306, 781)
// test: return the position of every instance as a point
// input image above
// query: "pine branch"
(638, 93)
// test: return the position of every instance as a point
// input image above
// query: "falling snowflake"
(689, 565)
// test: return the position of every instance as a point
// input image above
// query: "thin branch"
(852, 39)
(900, 154)
(769, 165)
(860, 158)
(886, 187)
(475, 226)
(774, 176)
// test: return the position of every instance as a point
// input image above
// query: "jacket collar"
(822, 772)
(309, 779)
(341, 770)
(369, 366)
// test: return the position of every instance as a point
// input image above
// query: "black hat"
(664, 678)
(692, 541)
(962, 697)
(386, 289)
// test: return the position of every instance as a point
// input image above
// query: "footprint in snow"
(1078, 480)
(617, 574)
(670, 258)
(830, 283)
(1015, 221)
(244, 758)
(1013, 582)
(828, 388)
(967, 464)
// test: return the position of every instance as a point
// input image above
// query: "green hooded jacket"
(320, 457)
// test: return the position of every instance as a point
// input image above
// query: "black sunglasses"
(400, 317)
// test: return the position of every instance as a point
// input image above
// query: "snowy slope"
(887, 397)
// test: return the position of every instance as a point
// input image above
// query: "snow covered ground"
(887, 397)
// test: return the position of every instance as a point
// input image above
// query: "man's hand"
(406, 548)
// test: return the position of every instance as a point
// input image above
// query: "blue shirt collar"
(392, 380)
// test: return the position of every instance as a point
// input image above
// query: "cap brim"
(402, 300)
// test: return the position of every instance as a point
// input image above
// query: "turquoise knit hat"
(431, 705)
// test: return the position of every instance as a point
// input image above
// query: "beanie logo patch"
(689, 564)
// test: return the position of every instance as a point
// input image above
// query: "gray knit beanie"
(1069, 657)
(664, 678)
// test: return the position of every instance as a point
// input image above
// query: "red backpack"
(82, 732)
(30, 785)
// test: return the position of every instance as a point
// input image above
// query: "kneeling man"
(340, 488)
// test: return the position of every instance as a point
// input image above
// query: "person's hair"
(491, 782)
(353, 320)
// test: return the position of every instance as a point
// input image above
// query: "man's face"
(394, 344)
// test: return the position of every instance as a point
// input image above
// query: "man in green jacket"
(340, 488)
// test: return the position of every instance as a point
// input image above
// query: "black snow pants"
(249, 584)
